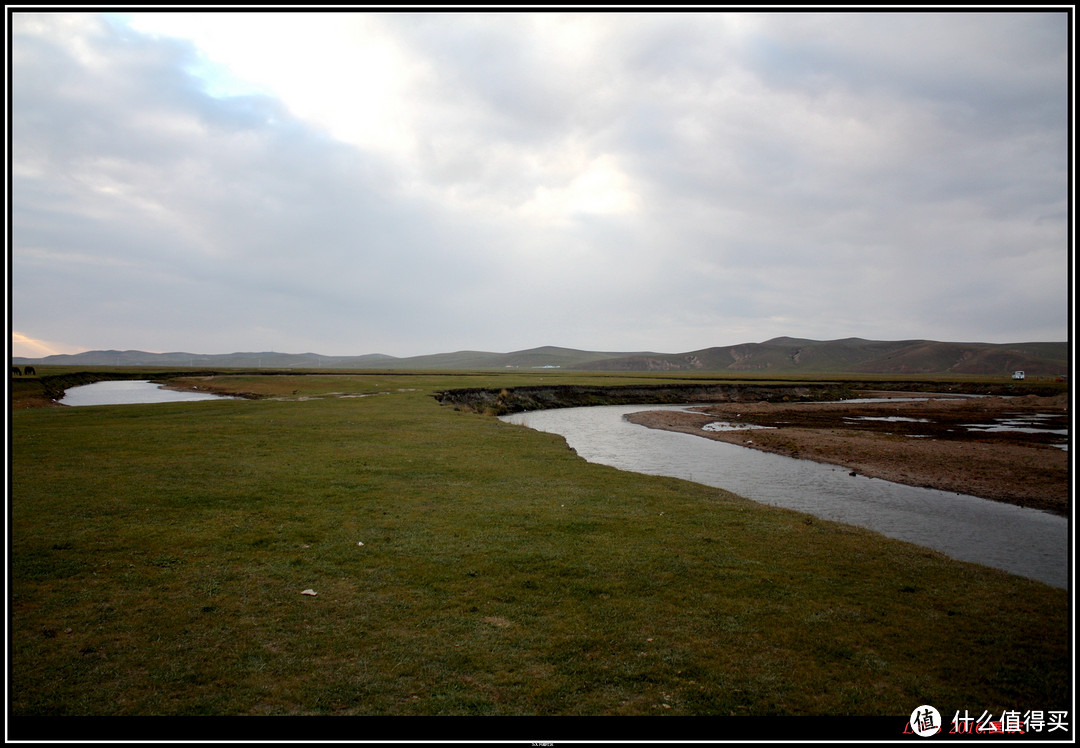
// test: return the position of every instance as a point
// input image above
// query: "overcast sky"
(411, 183)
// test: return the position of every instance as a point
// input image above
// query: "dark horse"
(16, 371)
(29, 370)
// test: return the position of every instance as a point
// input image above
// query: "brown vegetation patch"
(934, 449)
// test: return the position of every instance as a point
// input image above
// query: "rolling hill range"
(855, 355)
(778, 356)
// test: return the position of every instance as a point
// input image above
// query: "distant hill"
(857, 356)
(264, 360)
(779, 356)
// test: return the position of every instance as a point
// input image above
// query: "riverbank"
(927, 444)
(542, 397)
(47, 390)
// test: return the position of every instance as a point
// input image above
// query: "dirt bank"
(519, 399)
(926, 443)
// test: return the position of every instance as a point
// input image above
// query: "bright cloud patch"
(407, 182)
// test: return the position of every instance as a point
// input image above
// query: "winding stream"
(1022, 541)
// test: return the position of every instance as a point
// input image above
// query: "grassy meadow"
(465, 567)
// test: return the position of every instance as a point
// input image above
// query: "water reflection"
(128, 392)
(1022, 541)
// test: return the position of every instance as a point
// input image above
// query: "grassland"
(464, 567)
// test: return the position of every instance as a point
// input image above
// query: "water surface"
(130, 391)
(1022, 541)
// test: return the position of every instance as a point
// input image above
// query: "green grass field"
(158, 554)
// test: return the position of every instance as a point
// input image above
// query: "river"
(1022, 541)
(129, 391)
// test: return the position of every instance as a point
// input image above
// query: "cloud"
(410, 182)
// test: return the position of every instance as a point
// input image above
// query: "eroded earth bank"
(999, 448)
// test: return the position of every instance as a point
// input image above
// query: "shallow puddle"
(890, 419)
(728, 426)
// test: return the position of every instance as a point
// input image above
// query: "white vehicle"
(1018, 375)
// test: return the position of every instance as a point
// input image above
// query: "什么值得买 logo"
(925, 721)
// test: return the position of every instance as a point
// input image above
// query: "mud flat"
(1003, 449)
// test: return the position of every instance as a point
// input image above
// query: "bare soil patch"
(927, 443)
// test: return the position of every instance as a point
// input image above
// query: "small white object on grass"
(312, 593)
